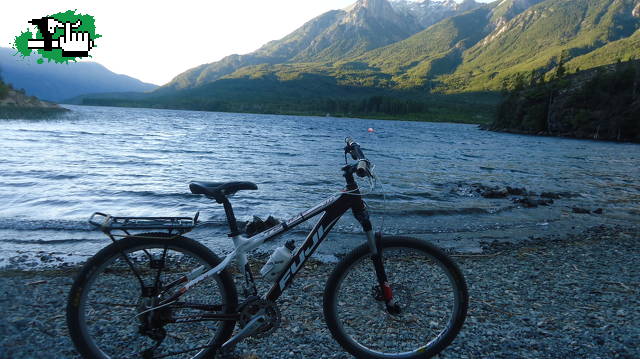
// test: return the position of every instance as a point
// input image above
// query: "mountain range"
(410, 50)
(57, 82)
(332, 36)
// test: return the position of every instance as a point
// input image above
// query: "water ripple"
(139, 161)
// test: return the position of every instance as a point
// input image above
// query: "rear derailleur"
(152, 322)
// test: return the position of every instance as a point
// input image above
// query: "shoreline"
(547, 134)
(31, 113)
(552, 297)
(413, 117)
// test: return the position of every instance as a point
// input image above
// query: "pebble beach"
(575, 296)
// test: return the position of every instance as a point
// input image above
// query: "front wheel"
(427, 286)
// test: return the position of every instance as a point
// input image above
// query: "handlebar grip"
(354, 149)
(362, 169)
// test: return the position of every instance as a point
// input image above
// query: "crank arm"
(249, 329)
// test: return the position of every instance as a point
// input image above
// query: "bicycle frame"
(332, 209)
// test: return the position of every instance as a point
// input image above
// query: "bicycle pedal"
(226, 353)
(251, 327)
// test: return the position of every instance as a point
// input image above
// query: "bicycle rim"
(427, 292)
(111, 301)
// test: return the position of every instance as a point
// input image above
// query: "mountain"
(366, 25)
(506, 10)
(414, 62)
(332, 36)
(470, 47)
(274, 52)
(377, 57)
(534, 39)
(480, 49)
(57, 82)
(437, 50)
(429, 12)
(622, 49)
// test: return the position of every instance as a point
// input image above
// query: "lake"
(125, 161)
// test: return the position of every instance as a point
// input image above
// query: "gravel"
(570, 297)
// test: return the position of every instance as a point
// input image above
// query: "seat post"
(231, 218)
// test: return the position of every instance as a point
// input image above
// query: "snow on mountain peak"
(429, 12)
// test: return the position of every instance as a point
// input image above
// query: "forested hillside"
(16, 103)
(601, 103)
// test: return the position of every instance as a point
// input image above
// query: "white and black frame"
(331, 211)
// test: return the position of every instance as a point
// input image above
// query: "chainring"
(256, 306)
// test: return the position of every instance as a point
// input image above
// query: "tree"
(561, 70)
(4, 90)
(533, 78)
(504, 87)
(520, 82)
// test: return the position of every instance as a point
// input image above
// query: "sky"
(155, 41)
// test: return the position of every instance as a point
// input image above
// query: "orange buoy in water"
(371, 130)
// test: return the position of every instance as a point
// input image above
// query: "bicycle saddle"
(218, 190)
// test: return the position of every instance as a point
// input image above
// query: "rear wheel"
(107, 303)
(427, 286)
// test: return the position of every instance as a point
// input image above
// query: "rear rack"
(107, 223)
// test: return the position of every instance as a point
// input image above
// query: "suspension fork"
(359, 209)
(375, 247)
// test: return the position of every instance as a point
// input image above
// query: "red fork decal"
(386, 290)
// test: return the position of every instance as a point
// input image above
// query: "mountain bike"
(160, 294)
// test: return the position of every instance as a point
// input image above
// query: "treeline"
(372, 105)
(312, 95)
(601, 103)
(4, 89)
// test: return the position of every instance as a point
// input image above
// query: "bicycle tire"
(353, 311)
(100, 269)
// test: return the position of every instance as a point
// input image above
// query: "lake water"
(121, 161)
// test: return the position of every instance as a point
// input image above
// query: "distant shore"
(441, 115)
(547, 134)
(16, 104)
(572, 296)
(30, 113)
(470, 108)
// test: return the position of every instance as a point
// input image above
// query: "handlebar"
(362, 168)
